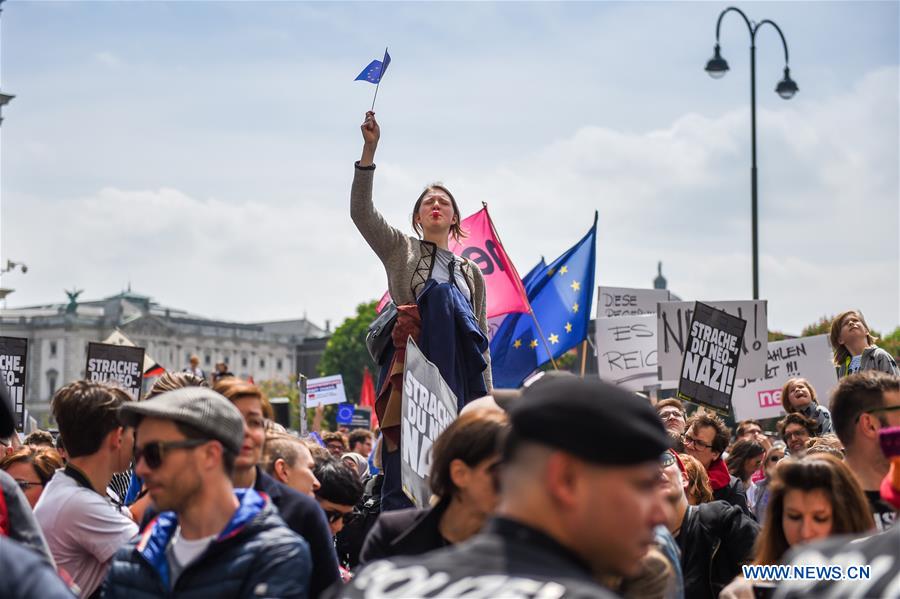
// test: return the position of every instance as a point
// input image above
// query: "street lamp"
(786, 88)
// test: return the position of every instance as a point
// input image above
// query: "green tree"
(346, 352)
(891, 343)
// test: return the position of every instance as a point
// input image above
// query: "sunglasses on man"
(334, 515)
(155, 452)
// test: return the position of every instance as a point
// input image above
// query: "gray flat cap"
(201, 408)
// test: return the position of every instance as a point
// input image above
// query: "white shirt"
(83, 530)
(441, 271)
(186, 551)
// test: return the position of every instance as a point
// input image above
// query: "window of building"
(53, 349)
(52, 376)
(207, 359)
(278, 364)
(244, 361)
(262, 363)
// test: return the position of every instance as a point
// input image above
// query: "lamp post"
(786, 88)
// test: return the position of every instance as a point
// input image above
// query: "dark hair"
(849, 507)
(359, 435)
(743, 425)
(665, 403)
(170, 381)
(455, 230)
(86, 413)
(44, 460)
(797, 418)
(340, 484)
(855, 394)
(39, 438)
(190, 432)
(473, 437)
(741, 452)
(723, 435)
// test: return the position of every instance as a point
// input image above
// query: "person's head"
(748, 430)
(87, 416)
(187, 444)
(195, 360)
(288, 459)
(249, 400)
(339, 492)
(335, 443)
(360, 441)
(465, 459)
(671, 412)
(849, 327)
(435, 213)
(32, 466)
(170, 381)
(358, 463)
(581, 463)
(863, 404)
(828, 443)
(810, 498)
(745, 458)
(773, 455)
(796, 394)
(698, 488)
(42, 438)
(706, 438)
(796, 429)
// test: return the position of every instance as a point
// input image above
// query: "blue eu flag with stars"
(376, 69)
(560, 294)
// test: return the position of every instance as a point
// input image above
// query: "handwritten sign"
(118, 365)
(673, 323)
(626, 351)
(13, 360)
(628, 301)
(806, 357)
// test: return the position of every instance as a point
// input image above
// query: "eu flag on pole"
(560, 295)
(376, 69)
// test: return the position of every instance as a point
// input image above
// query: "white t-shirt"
(83, 530)
(183, 552)
(441, 271)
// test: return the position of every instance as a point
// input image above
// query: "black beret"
(590, 419)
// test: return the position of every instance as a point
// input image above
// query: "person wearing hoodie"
(854, 346)
(798, 395)
(706, 438)
(210, 540)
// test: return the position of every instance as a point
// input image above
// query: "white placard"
(325, 390)
(613, 302)
(626, 351)
(673, 323)
(807, 357)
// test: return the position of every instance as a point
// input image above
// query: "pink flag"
(505, 293)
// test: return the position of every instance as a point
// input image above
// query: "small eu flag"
(376, 69)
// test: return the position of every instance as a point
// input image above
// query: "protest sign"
(119, 365)
(712, 352)
(806, 357)
(628, 301)
(13, 361)
(325, 391)
(673, 322)
(362, 418)
(626, 351)
(429, 406)
(344, 414)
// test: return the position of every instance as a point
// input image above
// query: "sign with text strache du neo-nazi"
(118, 365)
(13, 362)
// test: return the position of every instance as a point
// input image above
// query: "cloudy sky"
(202, 152)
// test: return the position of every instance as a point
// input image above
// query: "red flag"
(367, 396)
(505, 293)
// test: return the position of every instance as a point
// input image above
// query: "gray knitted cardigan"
(408, 261)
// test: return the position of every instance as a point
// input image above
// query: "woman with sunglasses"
(758, 494)
(464, 482)
(32, 467)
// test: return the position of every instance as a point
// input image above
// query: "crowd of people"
(568, 487)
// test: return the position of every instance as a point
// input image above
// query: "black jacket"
(715, 539)
(734, 494)
(507, 559)
(303, 515)
(255, 555)
(404, 532)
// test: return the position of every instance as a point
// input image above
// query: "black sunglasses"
(155, 452)
(334, 516)
(26, 484)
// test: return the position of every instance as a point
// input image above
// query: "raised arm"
(381, 237)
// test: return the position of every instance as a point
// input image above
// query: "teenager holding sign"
(440, 300)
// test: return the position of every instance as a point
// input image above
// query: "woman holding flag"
(440, 300)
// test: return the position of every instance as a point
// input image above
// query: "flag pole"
(544, 339)
(583, 356)
(379, 81)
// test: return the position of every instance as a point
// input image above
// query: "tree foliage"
(346, 352)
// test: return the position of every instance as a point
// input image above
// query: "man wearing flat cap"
(209, 539)
(579, 500)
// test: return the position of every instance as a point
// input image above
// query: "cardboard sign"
(673, 323)
(118, 365)
(628, 301)
(429, 406)
(325, 391)
(806, 357)
(13, 361)
(362, 418)
(626, 351)
(711, 356)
